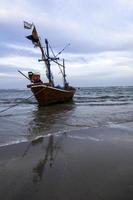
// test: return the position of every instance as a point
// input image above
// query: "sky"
(100, 33)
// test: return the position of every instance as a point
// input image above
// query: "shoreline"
(127, 126)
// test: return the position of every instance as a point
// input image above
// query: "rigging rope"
(55, 61)
(20, 102)
(14, 105)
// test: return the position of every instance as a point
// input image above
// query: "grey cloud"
(92, 27)
(14, 33)
(6, 51)
(11, 69)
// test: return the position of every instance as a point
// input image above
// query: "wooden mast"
(48, 63)
(45, 57)
(64, 74)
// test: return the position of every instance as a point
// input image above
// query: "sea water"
(91, 107)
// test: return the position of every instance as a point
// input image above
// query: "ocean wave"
(17, 101)
(90, 96)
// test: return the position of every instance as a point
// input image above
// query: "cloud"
(100, 33)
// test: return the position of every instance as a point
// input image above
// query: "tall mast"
(45, 56)
(64, 74)
(48, 63)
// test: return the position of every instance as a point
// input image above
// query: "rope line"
(12, 106)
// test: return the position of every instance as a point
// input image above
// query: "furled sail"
(34, 37)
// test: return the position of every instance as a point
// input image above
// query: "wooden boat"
(48, 93)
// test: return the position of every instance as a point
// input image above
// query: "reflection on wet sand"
(49, 157)
(42, 124)
(47, 120)
(63, 167)
(33, 142)
(50, 147)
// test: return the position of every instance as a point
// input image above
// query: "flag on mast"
(27, 25)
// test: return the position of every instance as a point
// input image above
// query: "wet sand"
(95, 164)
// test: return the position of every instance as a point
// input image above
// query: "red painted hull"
(46, 95)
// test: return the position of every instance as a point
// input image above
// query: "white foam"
(13, 142)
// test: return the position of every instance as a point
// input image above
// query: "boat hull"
(46, 95)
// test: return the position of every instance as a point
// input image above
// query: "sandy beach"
(95, 163)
